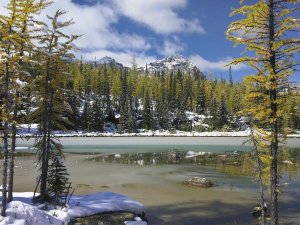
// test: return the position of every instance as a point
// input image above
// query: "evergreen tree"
(106, 91)
(163, 115)
(213, 112)
(74, 115)
(16, 39)
(124, 106)
(98, 117)
(266, 29)
(147, 117)
(53, 51)
(58, 181)
(222, 113)
(201, 99)
(87, 116)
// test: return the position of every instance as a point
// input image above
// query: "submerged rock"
(199, 182)
(109, 218)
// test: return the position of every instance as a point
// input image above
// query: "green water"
(115, 166)
(152, 144)
(151, 148)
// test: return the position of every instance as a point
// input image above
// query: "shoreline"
(153, 134)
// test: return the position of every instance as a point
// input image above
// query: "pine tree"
(74, 115)
(222, 113)
(87, 116)
(201, 99)
(106, 92)
(15, 40)
(147, 117)
(265, 30)
(213, 112)
(98, 117)
(53, 52)
(124, 105)
(58, 181)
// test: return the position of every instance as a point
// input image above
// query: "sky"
(152, 29)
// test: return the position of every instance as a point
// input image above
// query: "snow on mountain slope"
(177, 62)
(109, 61)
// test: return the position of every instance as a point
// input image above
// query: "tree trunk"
(273, 116)
(4, 172)
(12, 164)
(260, 179)
(43, 178)
(12, 153)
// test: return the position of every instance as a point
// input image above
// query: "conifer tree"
(74, 115)
(124, 105)
(54, 50)
(17, 32)
(106, 92)
(58, 181)
(87, 116)
(147, 117)
(201, 98)
(222, 112)
(213, 112)
(265, 29)
(97, 113)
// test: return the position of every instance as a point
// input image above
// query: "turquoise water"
(151, 144)
(151, 148)
(159, 186)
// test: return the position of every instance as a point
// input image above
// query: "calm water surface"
(153, 170)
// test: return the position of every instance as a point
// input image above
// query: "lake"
(152, 170)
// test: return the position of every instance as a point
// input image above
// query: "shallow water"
(160, 186)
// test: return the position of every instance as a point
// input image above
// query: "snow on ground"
(156, 133)
(22, 212)
(192, 154)
(86, 205)
(110, 130)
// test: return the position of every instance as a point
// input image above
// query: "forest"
(99, 95)
(43, 83)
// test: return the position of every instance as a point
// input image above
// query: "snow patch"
(22, 212)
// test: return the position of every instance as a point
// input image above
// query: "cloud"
(172, 46)
(95, 24)
(159, 15)
(209, 66)
(122, 57)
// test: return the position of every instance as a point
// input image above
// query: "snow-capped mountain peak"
(176, 62)
(169, 63)
(109, 61)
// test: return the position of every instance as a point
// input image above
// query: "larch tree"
(54, 53)
(17, 34)
(266, 31)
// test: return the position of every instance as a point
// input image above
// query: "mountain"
(170, 63)
(109, 62)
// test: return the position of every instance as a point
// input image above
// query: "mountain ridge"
(166, 64)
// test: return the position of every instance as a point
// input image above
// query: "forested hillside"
(104, 96)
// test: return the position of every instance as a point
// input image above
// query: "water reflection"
(237, 163)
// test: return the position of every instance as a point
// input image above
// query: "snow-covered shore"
(30, 130)
(22, 212)
(156, 133)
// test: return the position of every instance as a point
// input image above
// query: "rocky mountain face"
(170, 63)
(109, 62)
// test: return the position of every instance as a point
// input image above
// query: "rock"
(110, 218)
(199, 182)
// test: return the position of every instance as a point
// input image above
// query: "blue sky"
(152, 29)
